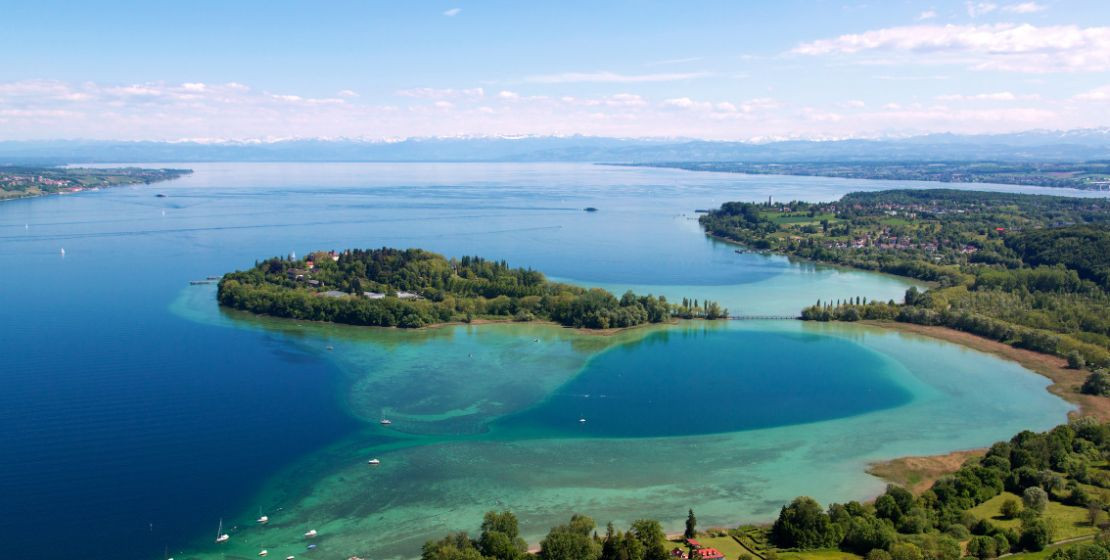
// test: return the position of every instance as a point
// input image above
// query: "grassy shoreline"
(917, 473)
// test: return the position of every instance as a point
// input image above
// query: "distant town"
(20, 182)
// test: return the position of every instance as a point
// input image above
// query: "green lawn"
(1043, 554)
(823, 554)
(729, 547)
(1066, 521)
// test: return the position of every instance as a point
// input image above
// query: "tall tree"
(691, 525)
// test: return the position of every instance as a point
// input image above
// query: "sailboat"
(221, 536)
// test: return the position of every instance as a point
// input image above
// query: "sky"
(725, 70)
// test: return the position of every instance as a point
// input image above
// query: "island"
(25, 181)
(412, 288)
(1086, 175)
(1031, 271)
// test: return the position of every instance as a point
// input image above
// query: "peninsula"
(413, 288)
(22, 182)
(1086, 175)
(1031, 271)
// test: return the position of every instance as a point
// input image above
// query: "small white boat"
(264, 519)
(374, 462)
(385, 421)
(290, 557)
(581, 420)
(63, 252)
(311, 534)
(263, 552)
(221, 536)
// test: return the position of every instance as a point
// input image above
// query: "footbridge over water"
(764, 317)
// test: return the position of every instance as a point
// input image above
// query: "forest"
(1031, 271)
(1021, 495)
(412, 288)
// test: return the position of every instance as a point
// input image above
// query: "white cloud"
(612, 77)
(161, 111)
(976, 9)
(195, 86)
(927, 14)
(347, 93)
(1002, 46)
(452, 12)
(441, 93)
(1097, 94)
(1024, 8)
(995, 96)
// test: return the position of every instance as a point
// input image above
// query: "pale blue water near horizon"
(136, 415)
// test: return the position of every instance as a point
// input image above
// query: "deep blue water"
(703, 381)
(125, 428)
(125, 431)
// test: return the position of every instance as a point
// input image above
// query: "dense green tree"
(691, 525)
(1097, 383)
(1034, 499)
(803, 524)
(1035, 534)
(905, 551)
(500, 537)
(455, 546)
(651, 536)
(572, 541)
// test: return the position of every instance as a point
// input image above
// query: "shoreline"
(917, 472)
(433, 326)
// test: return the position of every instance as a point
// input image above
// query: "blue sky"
(719, 70)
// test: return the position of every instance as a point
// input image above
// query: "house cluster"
(704, 552)
(884, 240)
(400, 295)
(17, 181)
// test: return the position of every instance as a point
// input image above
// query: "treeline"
(1054, 466)
(1082, 175)
(1047, 309)
(1084, 249)
(413, 288)
(575, 540)
(1030, 271)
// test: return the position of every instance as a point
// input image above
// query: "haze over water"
(136, 414)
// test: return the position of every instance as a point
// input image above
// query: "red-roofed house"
(710, 554)
(693, 542)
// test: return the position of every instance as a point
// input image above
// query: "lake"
(137, 414)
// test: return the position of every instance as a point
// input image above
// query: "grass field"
(1066, 521)
(823, 554)
(1042, 554)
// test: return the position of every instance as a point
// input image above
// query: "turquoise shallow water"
(147, 414)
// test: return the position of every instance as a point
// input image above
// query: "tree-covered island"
(413, 288)
(1032, 271)
(26, 181)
